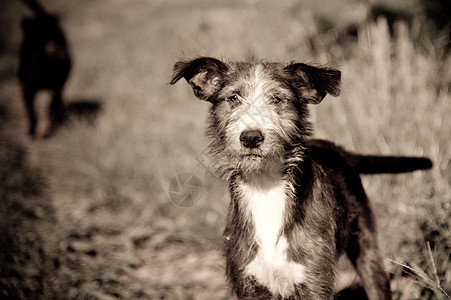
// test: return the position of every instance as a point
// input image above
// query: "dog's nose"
(251, 138)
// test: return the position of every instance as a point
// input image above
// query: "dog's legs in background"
(29, 95)
(364, 255)
(56, 112)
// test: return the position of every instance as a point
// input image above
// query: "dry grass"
(102, 225)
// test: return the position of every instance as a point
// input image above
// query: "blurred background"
(87, 214)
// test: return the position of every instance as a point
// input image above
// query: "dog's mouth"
(251, 155)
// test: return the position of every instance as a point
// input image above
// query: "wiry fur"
(297, 204)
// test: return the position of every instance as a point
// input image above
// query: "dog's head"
(43, 33)
(259, 111)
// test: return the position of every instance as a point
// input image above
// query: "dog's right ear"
(205, 75)
(313, 83)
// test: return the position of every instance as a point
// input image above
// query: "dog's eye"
(276, 99)
(233, 98)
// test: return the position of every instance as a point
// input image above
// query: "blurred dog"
(44, 64)
(297, 204)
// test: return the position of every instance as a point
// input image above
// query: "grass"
(91, 206)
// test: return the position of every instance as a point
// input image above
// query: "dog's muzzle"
(251, 138)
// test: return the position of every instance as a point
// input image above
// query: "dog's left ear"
(313, 83)
(205, 75)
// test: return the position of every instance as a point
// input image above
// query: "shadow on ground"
(86, 110)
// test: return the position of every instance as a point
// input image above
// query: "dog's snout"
(251, 138)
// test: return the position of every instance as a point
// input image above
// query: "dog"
(297, 203)
(44, 64)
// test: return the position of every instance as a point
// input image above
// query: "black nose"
(251, 138)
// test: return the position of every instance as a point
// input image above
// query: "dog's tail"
(331, 154)
(375, 164)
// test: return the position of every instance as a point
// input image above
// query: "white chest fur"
(265, 202)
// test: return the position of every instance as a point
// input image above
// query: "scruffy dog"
(297, 203)
(44, 64)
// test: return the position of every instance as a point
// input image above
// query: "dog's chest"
(265, 205)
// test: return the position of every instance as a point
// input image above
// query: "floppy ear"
(205, 75)
(314, 83)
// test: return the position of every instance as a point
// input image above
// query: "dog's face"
(259, 109)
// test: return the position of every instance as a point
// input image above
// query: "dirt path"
(55, 245)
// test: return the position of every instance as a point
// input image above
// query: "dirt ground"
(49, 251)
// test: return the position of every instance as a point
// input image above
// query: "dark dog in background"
(297, 204)
(44, 64)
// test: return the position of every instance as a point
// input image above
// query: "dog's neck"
(264, 200)
(280, 181)
(273, 171)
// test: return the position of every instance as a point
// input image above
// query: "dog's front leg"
(56, 112)
(29, 95)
